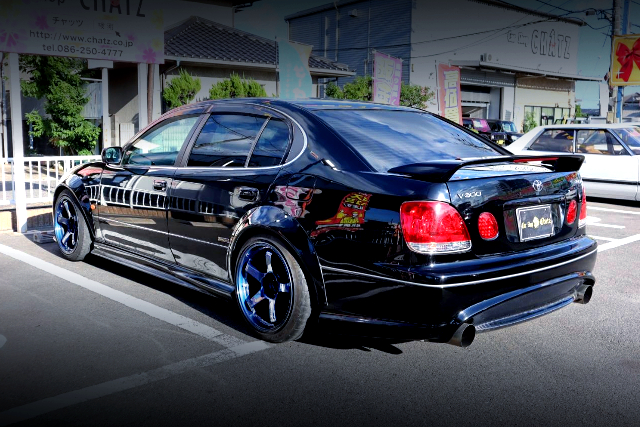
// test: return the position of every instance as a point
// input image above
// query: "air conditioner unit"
(485, 57)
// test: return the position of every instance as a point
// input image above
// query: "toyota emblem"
(537, 185)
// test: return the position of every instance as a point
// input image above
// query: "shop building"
(512, 60)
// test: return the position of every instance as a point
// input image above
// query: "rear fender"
(274, 221)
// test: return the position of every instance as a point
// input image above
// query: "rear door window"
(226, 140)
(272, 145)
(390, 138)
(557, 140)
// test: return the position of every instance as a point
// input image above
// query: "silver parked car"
(612, 154)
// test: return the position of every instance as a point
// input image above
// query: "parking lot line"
(32, 410)
(619, 242)
(152, 310)
(595, 221)
(595, 208)
(608, 239)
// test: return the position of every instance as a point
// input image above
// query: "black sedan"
(365, 219)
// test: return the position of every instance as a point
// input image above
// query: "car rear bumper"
(487, 293)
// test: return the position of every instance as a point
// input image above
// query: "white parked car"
(612, 154)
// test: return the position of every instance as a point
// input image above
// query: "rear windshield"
(388, 139)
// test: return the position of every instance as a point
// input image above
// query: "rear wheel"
(271, 290)
(70, 228)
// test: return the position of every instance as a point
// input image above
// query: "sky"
(266, 18)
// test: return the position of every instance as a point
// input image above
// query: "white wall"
(542, 98)
(518, 47)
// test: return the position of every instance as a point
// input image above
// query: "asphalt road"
(97, 344)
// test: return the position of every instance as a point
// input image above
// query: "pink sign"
(387, 78)
(449, 84)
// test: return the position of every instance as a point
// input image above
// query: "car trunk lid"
(528, 196)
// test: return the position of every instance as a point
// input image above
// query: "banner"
(449, 99)
(114, 30)
(387, 78)
(295, 78)
(625, 61)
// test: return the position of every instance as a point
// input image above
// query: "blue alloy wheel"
(264, 287)
(66, 225)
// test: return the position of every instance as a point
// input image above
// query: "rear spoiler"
(443, 170)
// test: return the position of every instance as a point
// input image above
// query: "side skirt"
(171, 273)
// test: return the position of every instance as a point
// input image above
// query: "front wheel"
(72, 234)
(271, 290)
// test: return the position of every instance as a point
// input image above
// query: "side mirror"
(112, 155)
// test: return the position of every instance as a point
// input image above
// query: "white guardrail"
(42, 175)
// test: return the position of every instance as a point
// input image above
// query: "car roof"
(592, 126)
(309, 104)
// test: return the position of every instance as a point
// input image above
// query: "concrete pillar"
(19, 191)
(106, 120)
(157, 92)
(142, 96)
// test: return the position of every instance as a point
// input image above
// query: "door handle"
(160, 185)
(248, 194)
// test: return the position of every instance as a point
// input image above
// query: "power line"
(568, 12)
(439, 39)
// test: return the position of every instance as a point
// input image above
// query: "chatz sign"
(551, 47)
(115, 30)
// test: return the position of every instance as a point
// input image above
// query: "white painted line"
(160, 313)
(608, 239)
(35, 409)
(618, 243)
(597, 224)
(595, 208)
(595, 221)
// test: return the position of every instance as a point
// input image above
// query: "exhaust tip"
(463, 336)
(583, 294)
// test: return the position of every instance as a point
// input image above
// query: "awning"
(492, 66)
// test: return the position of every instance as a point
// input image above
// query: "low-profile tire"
(271, 290)
(70, 227)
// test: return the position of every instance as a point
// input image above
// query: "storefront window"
(548, 115)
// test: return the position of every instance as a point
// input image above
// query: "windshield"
(630, 136)
(388, 139)
(509, 127)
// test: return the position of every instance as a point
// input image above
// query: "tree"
(529, 122)
(579, 112)
(58, 81)
(235, 87)
(181, 90)
(332, 90)
(415, 96)
(361, 89)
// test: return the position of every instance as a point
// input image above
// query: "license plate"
(535, 222)
(500, 142)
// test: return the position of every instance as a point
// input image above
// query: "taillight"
(572, 212)
(583, 209)
(433, 228)
(487, 226)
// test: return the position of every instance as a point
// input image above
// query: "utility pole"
(620, 27)
(4, 136)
